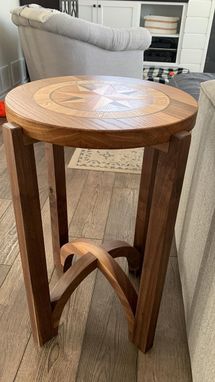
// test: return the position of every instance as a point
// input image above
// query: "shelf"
(159, 64)
(166, 35)
(164, 49)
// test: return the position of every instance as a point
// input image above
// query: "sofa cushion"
(195, 240)
(209, 90)
(190, 82)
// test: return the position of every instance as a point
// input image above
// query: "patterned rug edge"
(79, 160)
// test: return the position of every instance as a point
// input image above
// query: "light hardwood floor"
(92, 343)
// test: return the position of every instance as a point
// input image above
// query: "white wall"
(12, 69)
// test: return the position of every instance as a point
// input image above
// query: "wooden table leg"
(163, 210)
(149, 166)
(25, 194)
(57, 198)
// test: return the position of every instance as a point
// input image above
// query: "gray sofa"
(195, 230)
(191, 82)
(56, 44)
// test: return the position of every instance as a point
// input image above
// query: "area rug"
(127, 161)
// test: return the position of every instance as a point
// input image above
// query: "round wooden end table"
(97, 112)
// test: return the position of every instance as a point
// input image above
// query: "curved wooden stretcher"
(92, 257)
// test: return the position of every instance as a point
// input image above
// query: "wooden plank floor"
(92, 344)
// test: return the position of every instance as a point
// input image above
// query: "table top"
(100, 112)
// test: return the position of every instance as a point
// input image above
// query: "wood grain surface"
(164, 202)
(57, 199)
(112, 272)
(148, 172)
(25, 194)
(100, 112)
(84, 351)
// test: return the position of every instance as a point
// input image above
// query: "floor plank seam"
(75, 209)
(105, 227)
(98, 188)
(22, 357)
(6, 210)
(52, 274)
(82, 348)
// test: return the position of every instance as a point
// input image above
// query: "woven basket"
(161, 24)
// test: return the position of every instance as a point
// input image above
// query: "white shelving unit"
(165, 55)
(192, 36)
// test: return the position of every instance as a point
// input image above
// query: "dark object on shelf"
(68, 6)
(160, 55)
(162, 49)
(164, 42)
(53, 4)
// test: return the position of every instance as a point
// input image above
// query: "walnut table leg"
(149, 166)
(57, 199)
(163, 210)
(24, 186)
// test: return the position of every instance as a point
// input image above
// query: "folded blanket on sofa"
(34, 12)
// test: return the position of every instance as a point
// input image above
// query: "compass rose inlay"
(101, 99)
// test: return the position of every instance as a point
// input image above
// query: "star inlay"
(101, 99)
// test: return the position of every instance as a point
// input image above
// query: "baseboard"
(12, 75)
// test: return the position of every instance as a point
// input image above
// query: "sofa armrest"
(103, 37)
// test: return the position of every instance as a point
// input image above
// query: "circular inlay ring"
(101, 99)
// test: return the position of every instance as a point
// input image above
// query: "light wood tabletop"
(100, 112)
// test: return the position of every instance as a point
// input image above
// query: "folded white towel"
(33, 12)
